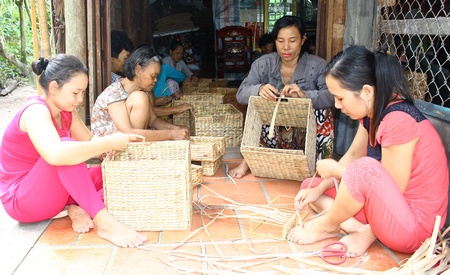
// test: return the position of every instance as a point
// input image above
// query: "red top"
(18, 154)
(428, 185)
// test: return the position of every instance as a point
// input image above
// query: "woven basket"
(222, 120)
(197, 174)
(279, 163)
(183, 118)
(207, 148)
(200, 99)
(210, 167)
(417, 83)
(148, 186)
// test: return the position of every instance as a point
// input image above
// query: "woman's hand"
(161, 101)
(293, 90)
(329, 168)
(183, 107)
(120, 141)
(179, 133)
(269, 92)
(309, 196)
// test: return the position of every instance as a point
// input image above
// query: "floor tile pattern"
(52, 247)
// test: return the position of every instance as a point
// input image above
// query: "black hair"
(265, 39)
(120, 42)
(142, 56)
(60, 69)
(357, 66)
(175, 44)
(286, 22)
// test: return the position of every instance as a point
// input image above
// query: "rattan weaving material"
(197, 174)
(207, 148)
(222, 120)
(148, 186)
(279, 163)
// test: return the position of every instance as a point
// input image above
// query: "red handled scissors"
(335, 256)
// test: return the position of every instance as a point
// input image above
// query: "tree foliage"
(15, 60)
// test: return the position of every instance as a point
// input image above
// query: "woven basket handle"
(272, 123)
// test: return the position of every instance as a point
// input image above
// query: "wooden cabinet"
(234, 49)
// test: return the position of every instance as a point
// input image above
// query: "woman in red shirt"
(394, 177)
(43, 154)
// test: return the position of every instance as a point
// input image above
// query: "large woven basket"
(207, 148)
(279, 163)
(222, 120)
(148, 186)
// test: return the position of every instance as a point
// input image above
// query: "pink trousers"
(385, 208)
(47, 189)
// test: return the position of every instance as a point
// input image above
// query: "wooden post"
(338, 27)
(145, 23)
(330, 27)
(35, 40)
(43, 29)
(75, 15)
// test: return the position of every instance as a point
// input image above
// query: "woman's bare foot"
(112, 230)
(313, 231)
(239, 171)
(81, 222)
(358, 241)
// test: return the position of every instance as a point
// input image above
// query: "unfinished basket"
(279, 163)
(148, 186)
(200, 99)
(183, 119)
(207, 148)
(222, 120)
(197, 174)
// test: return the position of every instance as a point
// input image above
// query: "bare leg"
(81, 222)
(112, 230)
(239, 171)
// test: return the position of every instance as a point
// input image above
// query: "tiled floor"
(51, 247)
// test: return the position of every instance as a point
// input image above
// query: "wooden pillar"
(330, 27)
(75, 15)
(321, 39)
(338, 27)
(104, 31)
(145, 23)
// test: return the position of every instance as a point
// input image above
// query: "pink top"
(428, 185)
(18, 154)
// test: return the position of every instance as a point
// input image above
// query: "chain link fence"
(418, 33)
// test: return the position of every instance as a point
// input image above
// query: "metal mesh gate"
(417, 32)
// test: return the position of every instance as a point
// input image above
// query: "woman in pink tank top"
(43, 155)
(393, 181)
